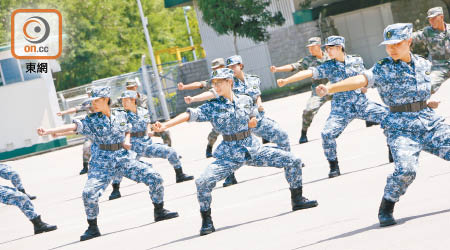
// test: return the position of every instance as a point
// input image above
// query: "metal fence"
(72, 97)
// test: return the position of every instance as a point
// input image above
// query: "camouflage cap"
(128, 94)
(436, 11)
(217, 63)
(335, 41)
(131, 83)
(100, 92)
(397, 32)
(314, 41)
(236, 59)
(223, 73)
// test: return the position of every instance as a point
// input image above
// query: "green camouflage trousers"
(312, 107)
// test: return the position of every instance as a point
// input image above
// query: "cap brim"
(90, 99)
(215, 67)
(434, 15)
(390, 42)
(309, 45)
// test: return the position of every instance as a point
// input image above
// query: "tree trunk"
(235, 44)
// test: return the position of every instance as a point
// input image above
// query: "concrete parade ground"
(256, 213)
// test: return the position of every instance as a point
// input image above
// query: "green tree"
(104, 38)
(240, 18)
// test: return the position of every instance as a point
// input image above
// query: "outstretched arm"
(63, 129)
(284, 68)
(295, 78)
(351, 83)
(161, 127)
(208, 95)
(68, 111)
(191, 86)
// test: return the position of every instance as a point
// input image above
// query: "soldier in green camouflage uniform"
(213, 135)
(436, 38)
(142, 102)
(314, 103)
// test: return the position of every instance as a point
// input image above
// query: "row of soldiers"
(404, 81)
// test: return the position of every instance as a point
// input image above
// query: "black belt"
(410, 107)
(110, 147)
(237, 137)
(138, 134)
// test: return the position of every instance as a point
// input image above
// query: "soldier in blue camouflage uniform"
(109, 131)
(436, 39)
(16, 196)
(317, 57)
(233, 115)
(246, 84)
(217, 63)
(403, 81)
(345, 106)
(142, 144)
(83, 107)
(7, 173)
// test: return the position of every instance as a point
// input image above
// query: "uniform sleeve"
(370, 76)
(146, 116)
(418, 38)
(318, 72)
(300, 65)
(254, 88)
(212, 90)
(204, 84)
(82, 126)
(202, 113)
(85, 106)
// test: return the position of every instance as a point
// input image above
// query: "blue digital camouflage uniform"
(12, 196)
(408, 133)
(85, 107)
(144, 146)
(230, 118)
(345, 106)
(104, 164)
(314, 102)
(438, 45)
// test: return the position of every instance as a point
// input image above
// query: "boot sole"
(167, 217)
(114, 197)
(89, 237)
(333, 175)
(227, 185)
(306, 206)
(205, 232)
(47, 230)
(185, 179)
(388, 223)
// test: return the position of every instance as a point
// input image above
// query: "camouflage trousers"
(439, 75)
(270, 130)
(212, 137)
(87, 150)
(11, 196)
(165, 136)
(153, 150)
(341, 116)
(7, 173)
(312, 107)
(406, 148)
(265, 157)
(102, 171)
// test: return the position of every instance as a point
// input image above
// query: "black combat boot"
(385, 214)
(303, 137)
(92, 230)
(370, 124)
(264, 141)
(207, 223)
(391, 159)
(41, 227)
(334, 169)
(115, 194)
(85, 168)
(230, 180)
(208, 151)
(163, 214)
(31, 197)
(180, 176)
(299, 202)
